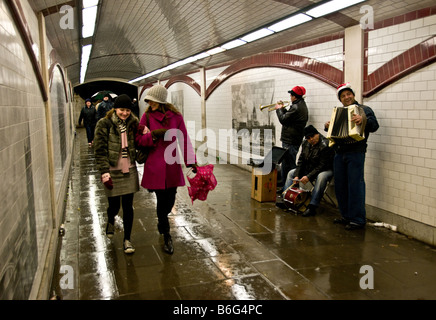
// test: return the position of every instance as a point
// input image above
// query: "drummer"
(315, 165)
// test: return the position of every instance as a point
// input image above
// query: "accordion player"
(344, 131)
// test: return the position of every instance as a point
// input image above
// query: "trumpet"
(272, 106)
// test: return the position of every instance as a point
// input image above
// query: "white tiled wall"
(26, 212)
(25, 215)
(320, 97)
(331, 52)
(401, 165)
(62, 134)
(387, 43)
(191, 107)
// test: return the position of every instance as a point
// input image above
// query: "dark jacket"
(361, 146)
(293, 122)
(314, 159)
(135, 108)
(107, 141)
(103, 108)
(88, 116)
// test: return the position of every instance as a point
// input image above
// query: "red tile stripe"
(309, 66)
(23, 28)
(406, 63)
(410, 61)
(410, 16)
(187, 80)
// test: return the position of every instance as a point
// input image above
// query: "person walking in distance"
(88, 115)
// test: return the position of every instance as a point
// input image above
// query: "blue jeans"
(320, 184)
(350, 186)
(289, 161)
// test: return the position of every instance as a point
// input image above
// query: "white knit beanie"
(157, 93)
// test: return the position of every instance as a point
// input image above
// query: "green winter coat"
(107, 141)
(107, 146)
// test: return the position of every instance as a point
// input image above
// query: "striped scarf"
(124, 146)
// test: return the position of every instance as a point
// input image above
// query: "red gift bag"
(203, 182)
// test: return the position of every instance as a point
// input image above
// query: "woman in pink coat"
(162, 129)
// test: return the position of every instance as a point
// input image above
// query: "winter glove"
(107, 181)
(158, 133)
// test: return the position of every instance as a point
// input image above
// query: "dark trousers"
(90, 132)
(289, 162)
(350, 186)
(165, 202)
(114, 208)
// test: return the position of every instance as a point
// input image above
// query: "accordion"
(344, 131)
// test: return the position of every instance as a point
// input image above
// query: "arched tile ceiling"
(135, 37)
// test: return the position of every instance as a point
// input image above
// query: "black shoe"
(310, 212)
(168, 246)
(110, 230)
(281, 205)
(354, 226)
(341, 221)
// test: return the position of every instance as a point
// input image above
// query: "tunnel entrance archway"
(86, 90)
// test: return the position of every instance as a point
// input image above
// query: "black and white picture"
(177, 100)
(247, 118)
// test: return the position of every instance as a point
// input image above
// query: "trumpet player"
(293, 121)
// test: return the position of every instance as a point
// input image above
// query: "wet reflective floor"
(230, 247)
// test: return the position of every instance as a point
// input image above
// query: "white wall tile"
(389, 42)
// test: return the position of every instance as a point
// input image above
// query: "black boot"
(311, 211)
(168, 246)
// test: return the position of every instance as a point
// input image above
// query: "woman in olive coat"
(115, 154)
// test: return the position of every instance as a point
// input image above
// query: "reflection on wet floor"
(230, 247)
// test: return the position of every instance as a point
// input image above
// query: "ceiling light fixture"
(201, 56)
(215, 51)
(89, 3)
(256, 35)
(290, 22)
(89, 17)
(330, 7)
(233, 44)
(86, 53)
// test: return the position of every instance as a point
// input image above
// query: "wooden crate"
(263, 186)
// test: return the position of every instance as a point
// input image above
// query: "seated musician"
(348, 166)
(315, 163)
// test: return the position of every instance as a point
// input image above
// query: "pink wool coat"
(163, 169)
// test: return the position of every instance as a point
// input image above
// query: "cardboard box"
(263, 186)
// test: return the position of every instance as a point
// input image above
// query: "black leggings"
(114, 208)
(165, 202)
